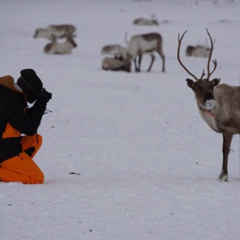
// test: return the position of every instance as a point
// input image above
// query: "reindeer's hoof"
(223, 177)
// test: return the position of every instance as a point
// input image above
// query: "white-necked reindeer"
(60, 48)
(57, 31)
(219, 105)
(145, 43)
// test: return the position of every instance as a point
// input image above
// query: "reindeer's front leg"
(227, 139)
(139, 61)
(135, 64)
(137, 67)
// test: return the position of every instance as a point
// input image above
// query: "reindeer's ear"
(190, 83)
(215, 82)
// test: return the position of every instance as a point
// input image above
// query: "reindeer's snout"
(209, 101)
(210, 104)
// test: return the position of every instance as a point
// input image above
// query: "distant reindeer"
(57, 31)
(114, 49)
(197, 51)
(60, 48)
(144, 21)
(145, 43)
(116, 64)
(218, 105)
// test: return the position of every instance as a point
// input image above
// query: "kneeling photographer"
(19, 140)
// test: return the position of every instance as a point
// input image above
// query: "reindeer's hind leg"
(139, 61)
(160, 52)
(227, 139)
(152, 60)
(163, 60)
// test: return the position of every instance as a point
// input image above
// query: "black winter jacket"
(14, 110)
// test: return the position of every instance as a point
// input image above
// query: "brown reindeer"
(145, 43)
(218, 105)
(144, 21)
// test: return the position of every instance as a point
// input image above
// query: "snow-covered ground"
(146, 164)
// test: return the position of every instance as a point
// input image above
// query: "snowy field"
(146, 164)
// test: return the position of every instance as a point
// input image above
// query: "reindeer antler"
(209, 58)
(179, 60)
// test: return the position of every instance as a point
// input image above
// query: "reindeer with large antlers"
(219, 105)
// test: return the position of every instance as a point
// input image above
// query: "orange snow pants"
(22, 168)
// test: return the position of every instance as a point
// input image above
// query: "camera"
(44, 95)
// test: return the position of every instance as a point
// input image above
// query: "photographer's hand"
(38, 109)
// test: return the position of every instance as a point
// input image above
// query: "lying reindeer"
(116, 64)
(57, 31)
(145, 43)
(198, 51)
(144, 21)
(60, 48)
(218, 105)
